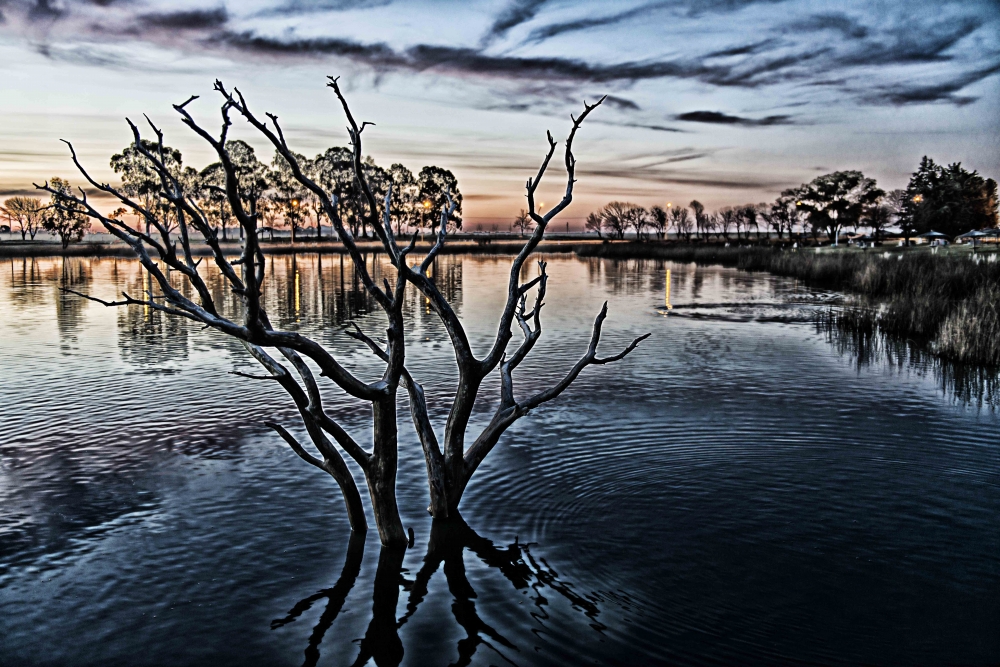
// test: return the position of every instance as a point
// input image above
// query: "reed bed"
(947, 302)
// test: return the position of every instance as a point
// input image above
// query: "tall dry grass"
(945, 301)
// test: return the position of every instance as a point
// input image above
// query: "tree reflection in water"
(867, 345)
(446, 547)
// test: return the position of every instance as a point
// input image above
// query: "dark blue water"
(738, 491)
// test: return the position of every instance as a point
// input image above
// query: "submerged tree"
(450, 463)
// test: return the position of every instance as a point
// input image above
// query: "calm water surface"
(737, 491)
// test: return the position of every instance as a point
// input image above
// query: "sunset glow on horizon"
(727, 102)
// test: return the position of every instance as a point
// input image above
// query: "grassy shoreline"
(947, 302)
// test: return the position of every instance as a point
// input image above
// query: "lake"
(739, 490)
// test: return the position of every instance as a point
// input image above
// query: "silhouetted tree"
(658, 221)
(334, 171)
(66, 216)
(290, 196)
(27, 212)
(781, 216)
(727, 221)
(877, 218)
(406, 196)
(595, 223)
(640, 221)
(711, 223)
(142, 183)
(680, 220)
(252, 180)
(434, 183)
(950, 200)
(523, 222)
(896, 202)
(700, 219)
(617, 218)
(836, 200)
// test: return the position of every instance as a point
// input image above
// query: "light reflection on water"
(737, 491)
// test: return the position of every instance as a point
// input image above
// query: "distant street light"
(918, 198)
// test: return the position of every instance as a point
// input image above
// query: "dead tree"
(449, 467)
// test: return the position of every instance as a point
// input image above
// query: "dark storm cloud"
(470, 61)
(947, 91)
(621, 103)
(554, 29)
(45, 9)
(640, 126)
(696, 8)
(841, 23)
(744, 50)
(701, 7)
(760, 69)
(516, 13)
(198, 19)
(672, 178)
(822, 49)
(294, 7)
(911, 43)
(719, 118)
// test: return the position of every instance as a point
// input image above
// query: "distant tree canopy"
(64, 217)
(834, 201)
(274, 195)
(950, 200)
(139, 179)
(432, 183)
(405, 196)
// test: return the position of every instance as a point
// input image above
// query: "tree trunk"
(381, 474)
(352, 497)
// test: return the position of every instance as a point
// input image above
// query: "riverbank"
(507, 245)
(945, 300)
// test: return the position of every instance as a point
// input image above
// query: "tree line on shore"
(947, 199)
(271, 192)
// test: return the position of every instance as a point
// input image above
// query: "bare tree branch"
(511, 410)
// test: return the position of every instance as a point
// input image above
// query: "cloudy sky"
(727, 101)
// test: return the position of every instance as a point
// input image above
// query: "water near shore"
(740, 490)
